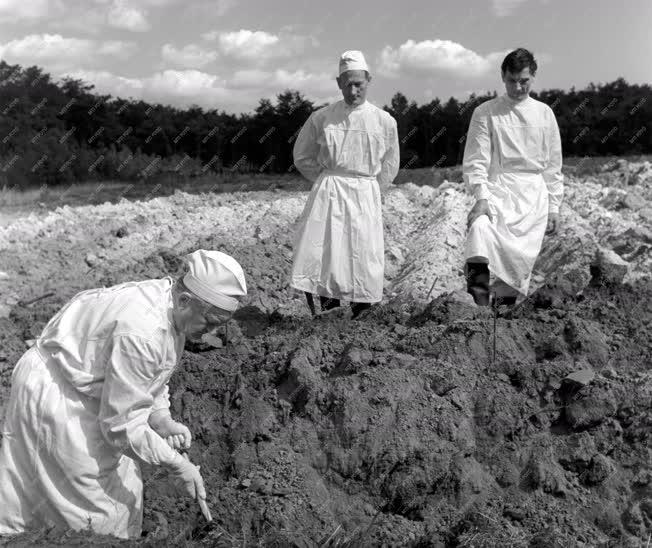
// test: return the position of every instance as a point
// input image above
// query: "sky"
(228, 54)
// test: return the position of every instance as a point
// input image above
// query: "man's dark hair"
(518, 60)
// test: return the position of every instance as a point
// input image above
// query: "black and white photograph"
(288, 274)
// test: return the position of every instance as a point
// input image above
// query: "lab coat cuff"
(160, 413)
(175, 462)
(481, 192)
(553, 209)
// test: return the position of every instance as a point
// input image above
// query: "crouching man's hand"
(176, 434)
(553, 223)
(187, 477)
(480, 208)
(384, 189)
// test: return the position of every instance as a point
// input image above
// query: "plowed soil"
(426, 422)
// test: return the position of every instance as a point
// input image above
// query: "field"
(429, 422)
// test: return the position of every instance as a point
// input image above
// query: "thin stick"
(432, 287)
(36, 299)
(331, 536)
(203, 506)
(204, 509)
(493, 362)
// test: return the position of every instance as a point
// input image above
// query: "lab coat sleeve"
(133, 367)
(477, 155)
(306, 150)
(161, 404)
(392, 158)
(552, 174)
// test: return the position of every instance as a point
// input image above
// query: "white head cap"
(352, 60)
(216, 278)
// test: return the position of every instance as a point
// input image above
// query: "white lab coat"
(339, 250)
(76, 424)
(513, 159)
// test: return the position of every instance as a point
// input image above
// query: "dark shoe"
(327, 303)
(506, 301)
(477, 282)
(480, 296)
(311, 302)
(359, 308)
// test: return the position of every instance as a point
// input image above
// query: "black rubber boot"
(507, 300)
(327, 303)
(477, 282)
(358, 308)
(311, 302)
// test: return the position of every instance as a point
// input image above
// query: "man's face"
(353, 84)
(199, 318)
(518, 84)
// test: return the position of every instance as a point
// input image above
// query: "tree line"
(56, 132)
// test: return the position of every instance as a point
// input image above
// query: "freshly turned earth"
(399, 429)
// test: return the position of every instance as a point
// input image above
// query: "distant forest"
(62, 132)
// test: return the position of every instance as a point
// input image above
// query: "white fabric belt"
(520, 171)
(331, 172)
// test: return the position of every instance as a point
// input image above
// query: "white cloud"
(168, 85)
(88, 20)
(220, 7)
(12, 11)
(279, 80)
(117, 48)
(122, 15)
(207, 11)
(190, 56)
(246, 43)
(156, 3)
(503, 8)
(241, 92)
(185, 82)
(258, 46)
(60, 53)
(92, 16)
(107, 82)
(176, 87)
(431, 57)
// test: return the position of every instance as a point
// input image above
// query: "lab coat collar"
(170, 309)
(514, 102)
(350, 108)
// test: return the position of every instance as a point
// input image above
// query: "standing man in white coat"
(89, 401)
(347, 150)
(512, 164)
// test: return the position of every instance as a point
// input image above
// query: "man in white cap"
(347, 150)
(89, 401)
(512, 164)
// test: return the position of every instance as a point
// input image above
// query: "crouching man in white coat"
(348, 150)
(512, 164)
(89, 401)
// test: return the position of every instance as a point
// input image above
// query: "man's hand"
(480, 208)
(553, 223)
(176, 434)
(384, 189)
(187, 478)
